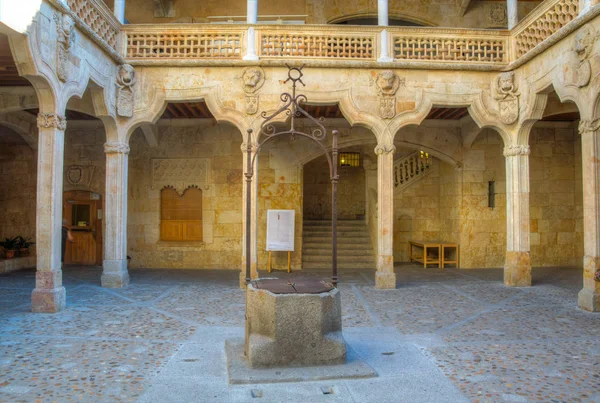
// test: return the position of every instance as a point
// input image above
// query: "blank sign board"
(280, 230)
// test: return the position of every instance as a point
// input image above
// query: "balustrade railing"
(443, 45)
(411, 168)
(183, 42)
(547, 19)
(98, 18)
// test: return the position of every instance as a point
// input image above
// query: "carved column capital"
(51, 121)
(588, 126)
(512, 151)
(244, 147)
(385, 149)
(116, 148)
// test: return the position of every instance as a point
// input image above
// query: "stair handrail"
(411, 168)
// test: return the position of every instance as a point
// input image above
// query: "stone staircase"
(354, 245)
(410, 169)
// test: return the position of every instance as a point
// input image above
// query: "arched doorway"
(83, 212)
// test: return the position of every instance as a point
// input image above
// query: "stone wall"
(18, 172)
(317, 191)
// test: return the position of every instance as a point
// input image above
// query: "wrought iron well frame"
(293, 109)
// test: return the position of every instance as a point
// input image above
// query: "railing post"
(383, 20)
(120, 10)
(251, 19)
(512, 12)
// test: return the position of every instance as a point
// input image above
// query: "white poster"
(280, 230)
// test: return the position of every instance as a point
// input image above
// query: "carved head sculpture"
(584, 41)
(387, 82)
(505, 84)
(253, 79)
(66, 32)
(126, 75)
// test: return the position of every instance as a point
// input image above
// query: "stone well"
(293, 324)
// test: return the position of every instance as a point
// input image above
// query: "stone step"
(340, 234)
(341, 266)
(347, 251)
(342, 223)
(341, 246)
(328, 229)
(327, 240)
(342, 258)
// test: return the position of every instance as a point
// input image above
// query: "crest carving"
(579, 71)
(65, 26)
(125, 82)
(513, 151)
(387, 84)
(51, 121)
(253, 79)
(180, 173)
(496, 15)
(79, 176)
(507, 96)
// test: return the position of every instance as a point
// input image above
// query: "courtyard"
(440, 336)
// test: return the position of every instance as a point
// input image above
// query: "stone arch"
(25, 128)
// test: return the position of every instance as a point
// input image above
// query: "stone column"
(517, 266)
(114, 273)
(253, 218)
(589, 296)
(383, 21)
(49, 294)
(251, 18)
(119, 10)
(512, 12)
(385, 277)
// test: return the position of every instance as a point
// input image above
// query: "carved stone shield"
(387, 107)
(509, 110)
(125, 102)
(251, 104)
(74, 175)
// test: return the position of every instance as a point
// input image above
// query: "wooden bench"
(441, 258)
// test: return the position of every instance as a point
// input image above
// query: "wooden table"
(439, 259)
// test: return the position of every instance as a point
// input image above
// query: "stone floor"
(441, 336)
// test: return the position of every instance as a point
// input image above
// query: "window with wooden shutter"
(181, 216)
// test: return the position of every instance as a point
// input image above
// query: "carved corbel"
(589, 126)
(387, 84)
(382, 149)
(65, 27)
(513, 151)
(51, 121)
(125, 83)
(116, 148)
(507, 96)
(579, 71)
(253, 79)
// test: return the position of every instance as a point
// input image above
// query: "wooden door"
(80, 210)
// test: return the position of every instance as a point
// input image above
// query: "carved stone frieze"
(180, 173)
(512, 151)
(385, 149)
(589, 126)
(507, 96)
(65, 27)
(387, 84)
(51, 121)
(579, 71)
(253, 79)
(79, 176)
(116, 148)
(496, 15)
(125, 82)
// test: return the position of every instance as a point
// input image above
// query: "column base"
(517, 269)
(384, 59)
(385, 280)
(115, 274)
(589, 300)
(253, 275)
(48, 300)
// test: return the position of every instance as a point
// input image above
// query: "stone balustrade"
(410, 169)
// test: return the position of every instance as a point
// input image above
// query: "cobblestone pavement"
(161, 339)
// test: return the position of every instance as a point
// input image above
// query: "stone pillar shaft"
(383, 21)
(49, 294)
(114, 273)
(586, 5)
(253, 217)
(589, 296)
(385, 277)
(517, 267)
(119, 10)
(251, 18)
(512, 12)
